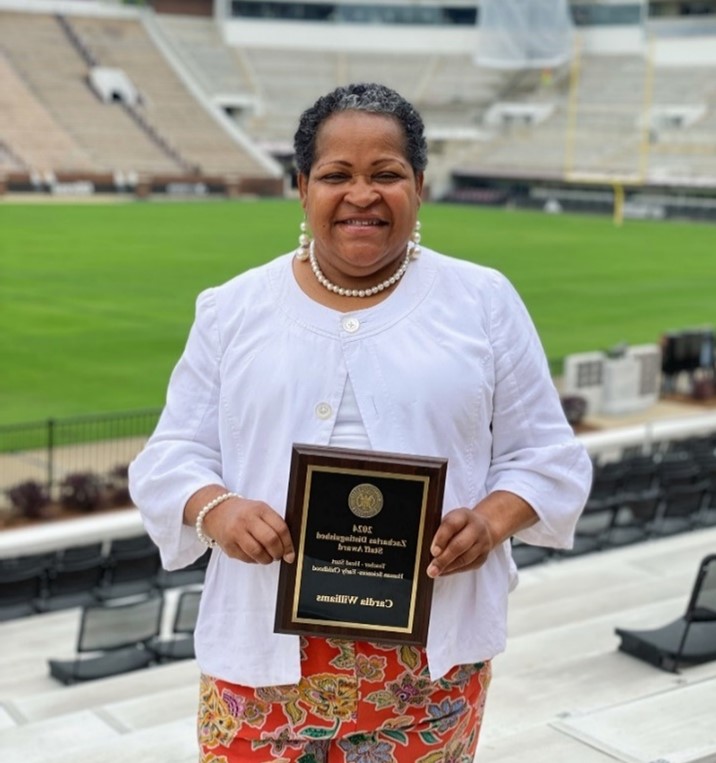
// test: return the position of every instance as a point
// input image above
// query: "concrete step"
(557, 695)
(154, 689)
(122, 718)
(87, 737)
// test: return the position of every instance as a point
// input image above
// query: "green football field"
(96, 299)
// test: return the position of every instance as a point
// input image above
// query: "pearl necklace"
(382, 286)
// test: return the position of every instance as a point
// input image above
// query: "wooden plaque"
(362, 523)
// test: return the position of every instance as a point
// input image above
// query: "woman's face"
(361, 197)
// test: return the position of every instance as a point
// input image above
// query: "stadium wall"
(72, 7)
(394, 38)
(686, 51)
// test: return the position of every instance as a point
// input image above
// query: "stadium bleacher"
(559, 691)
(43, 58)
(213, 108)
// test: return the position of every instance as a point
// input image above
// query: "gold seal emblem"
(365, 500)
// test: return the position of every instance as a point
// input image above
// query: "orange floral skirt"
(357, 702)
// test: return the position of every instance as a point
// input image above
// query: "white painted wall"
(691, 50)
(359, 38)
(686, 51)
(70, 7)
(456, 40)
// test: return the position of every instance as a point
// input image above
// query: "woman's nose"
(362, 192)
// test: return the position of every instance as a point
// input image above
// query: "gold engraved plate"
(365, 500)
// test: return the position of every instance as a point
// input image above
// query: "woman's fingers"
(462, 542)
(252, 532)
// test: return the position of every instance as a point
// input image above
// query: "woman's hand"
(466, 536)
(462, 542)
(250, 531)
(247, 530)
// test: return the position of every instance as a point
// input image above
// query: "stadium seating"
(39, 51)
(192, 574)
(166, 103)
(526, 555)
(635, 517)
(179, 644)
(689, 639)
(217, 68)
(598, 130)
(132, 566)
(117, 635)
(89, 573)
(38, 141)
(21, 582)
(72, 578)
(561, 644)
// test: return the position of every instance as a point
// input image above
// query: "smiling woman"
(360, 180)
(361, 338)
(361, 198)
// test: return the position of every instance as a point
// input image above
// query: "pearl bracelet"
(205, 539)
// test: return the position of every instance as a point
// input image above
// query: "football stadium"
(147, 153)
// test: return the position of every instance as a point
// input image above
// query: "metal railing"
(47, 451)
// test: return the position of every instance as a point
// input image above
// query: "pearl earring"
(414, 244)
(304, 242)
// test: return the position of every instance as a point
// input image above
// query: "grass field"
(96, 300)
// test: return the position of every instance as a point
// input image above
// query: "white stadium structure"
(561, 103)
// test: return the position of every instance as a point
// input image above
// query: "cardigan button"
(351, 324)
(324, 411)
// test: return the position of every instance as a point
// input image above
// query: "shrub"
(29, 499)
(82, 491)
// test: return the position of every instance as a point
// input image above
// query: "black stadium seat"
(113, 638)
(691, 638)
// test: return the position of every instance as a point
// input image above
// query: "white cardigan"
(448, 365)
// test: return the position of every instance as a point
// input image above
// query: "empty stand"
(592, 532)
(690, 638)
(598, 129)
(165, 104)
(131, 567)
(635, 517)
(88, 573)
(561, 647)
(179, 643)
(682, 507)
(35, 137)
(527, 555)
(44, 59)
(116, 635)
(69, 128)
(287, 82)
(192, 574)
(21, 583)
(73, 578)
(218, 68)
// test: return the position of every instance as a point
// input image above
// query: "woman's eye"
(387, 177)
(335, 177)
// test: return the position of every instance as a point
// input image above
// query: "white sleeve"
(535, 452)
(183, 453)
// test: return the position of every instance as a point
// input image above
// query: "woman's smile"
(361, 226)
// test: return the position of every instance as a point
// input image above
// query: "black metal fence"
(48, 451)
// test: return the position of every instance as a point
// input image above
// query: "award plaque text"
(361, 523)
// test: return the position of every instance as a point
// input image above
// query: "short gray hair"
(370, 97)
